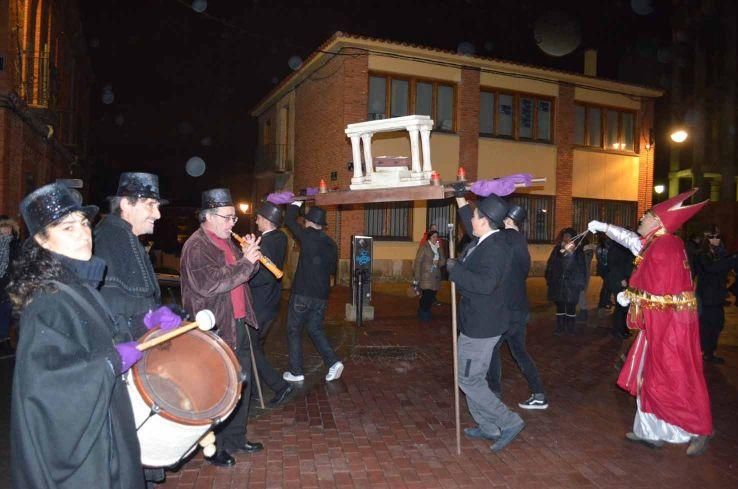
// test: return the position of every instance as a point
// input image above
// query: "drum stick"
(254, 369)
(269, 264)
(203, 320)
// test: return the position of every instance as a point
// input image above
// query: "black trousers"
(712, 321)
(267, 374)
(567, 308)
(515, 339)
(605, 294)
(427, 298)
(231, 433)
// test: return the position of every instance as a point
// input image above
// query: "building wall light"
(679, 136)
(659, 189)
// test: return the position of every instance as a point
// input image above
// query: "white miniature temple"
(361, 135)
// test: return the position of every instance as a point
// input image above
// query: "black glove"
(450, 264)
(459, 189)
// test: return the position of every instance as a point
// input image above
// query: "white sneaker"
(292, 378)
(334, 372)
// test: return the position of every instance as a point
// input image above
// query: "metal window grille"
(618, 212)
(539, 226)
(389, 221)
(440, 213)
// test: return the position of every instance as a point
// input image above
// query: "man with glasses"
(214, 275)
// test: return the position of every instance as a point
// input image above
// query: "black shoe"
(249, 447)
(281, 396)
(222, 459)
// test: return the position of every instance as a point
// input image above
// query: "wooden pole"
(454, 340)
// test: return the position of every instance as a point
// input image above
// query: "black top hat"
(216, 197)
(50, 203)
(271, 213)
(317, 215)
(494, 208)
(516, 213)
(139, 185)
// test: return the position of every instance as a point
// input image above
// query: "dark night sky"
(180, 76)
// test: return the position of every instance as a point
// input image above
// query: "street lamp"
(243, 207)
(659, 189)
(679, 136)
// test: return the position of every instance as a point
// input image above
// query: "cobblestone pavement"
(389, 421)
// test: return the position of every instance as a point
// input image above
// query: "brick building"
(588, 136)
(45, 78)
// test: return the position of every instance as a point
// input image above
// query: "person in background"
(603, 248)
(693, 245)
(713, 265)
(427, 273)
(588, 248)
(619, 268)
(566, 275)
(9, 251)
(71, 422)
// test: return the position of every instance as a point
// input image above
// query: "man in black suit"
(519, 312)
(483, 277)
(266, 290)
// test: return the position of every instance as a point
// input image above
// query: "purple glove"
(501, 186)
(129, 355)
(162, 317)
(280, 198)
(311, 191)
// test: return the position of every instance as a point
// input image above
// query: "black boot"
(571, 325)
(559, 324)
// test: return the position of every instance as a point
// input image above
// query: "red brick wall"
(646, 157)
(564, 157)
(334, 96)
(467, 117)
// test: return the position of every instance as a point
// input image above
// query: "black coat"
(266, 289)
(318, 258)
(130, 286)
(712, 276)
(619, 267)
(71, 421)
(13, 253)
(566, 275)
(483, 278)
(518, 299)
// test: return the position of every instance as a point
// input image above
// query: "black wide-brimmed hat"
(50, 203)
(494, 208)
(516, 213)
(270, 212)
(139, 185)
(317, 215)
(216, 197)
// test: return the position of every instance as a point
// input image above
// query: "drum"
(178, 391)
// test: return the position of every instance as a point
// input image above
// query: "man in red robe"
(664, 366)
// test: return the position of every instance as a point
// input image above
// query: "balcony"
(272, 158)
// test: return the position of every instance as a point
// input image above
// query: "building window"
(618, 212)
(440, 213)
(605, 128)
(516, 116)
(389, 221)
(392, 96)
(539, 226)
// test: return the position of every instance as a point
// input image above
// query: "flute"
(269, 264)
